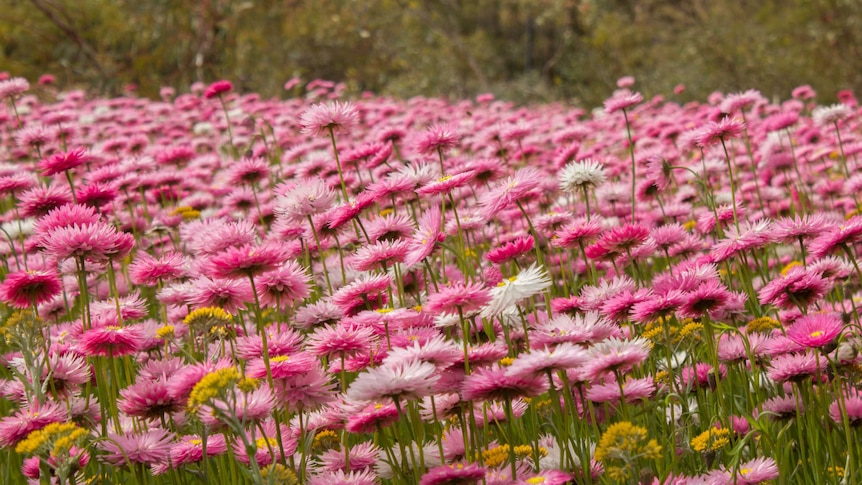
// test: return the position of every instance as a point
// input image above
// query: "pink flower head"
(60, 162)
(466, 297)
(16, 427)
(437, 137)
(622, 100)
(148, 399)
(367, 292)
(23, 289)
(367, 418)
(797, 287)
(758, 470)
(510, 250)
(217, 89)
(380, 255)
(795, 367)
(97, 241)
(494, 382)
(39, 201)
(816, 330)
(148, 448)
(405, 380)
(111, 340)
(336, 116)
(232, 295)
(246, 260)
(525, 183)
(724, 130)
(426, 238)
(453, 474)
(13, 87)
(616, 355)
(282, 286)
(190, 448)
(837, 237)
(335, 340)
(147, 270)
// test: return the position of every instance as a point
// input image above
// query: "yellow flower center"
(816, 333)
(266, 443)
(535, 480)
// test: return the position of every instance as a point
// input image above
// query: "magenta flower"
(246, 260)
(232, 295)
(622, 100)
(466, 297)
(336, 116)
(489, 383)
(441, 137)
(23, 289)
(758, 470)
(112, 341)
(97, 241)
(525, 183)
(61, 162)
(366, 419)
(147, 270)
(147, 448)
(217, 89)
(148, 399)
(795, 367)
(816, 330)
(510, 250)
(16, 427)
(190, 448)
(453, 474)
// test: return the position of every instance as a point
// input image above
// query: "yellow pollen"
(266, 443)
(196, 442)
(816, 333)
(280, 358)
(383, 310)
(444, 178)
(535, 480)
(378, 406)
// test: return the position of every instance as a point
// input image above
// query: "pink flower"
(190, 448)
(39, 201)
(61, 162)
(622, 100)
(16, 427)
(437, 137)
(148, 448)
(23, 289)
(282, 286)
(218, 88)
(96, 241)
(795, 367)
(510, 250)
(426, 238)
(406, 380)
(466, 297)
(247, 260)
(266, 444)
(340, 477)
(13, 87)
(111, 341)
(797, 287)
(543, 361)
(367, 292)
(755, 471)
(453, 474)
(334, 340)
(616, 355)
(321, 118)
(852, 407)
(816, 330)
(148, 399)
(724, 130)
(147, 270)
(489, 383)
(367, 418)
(232, 295)
(837, 237)
(525, 183)
(380, 255)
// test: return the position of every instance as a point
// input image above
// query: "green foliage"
(527, 50)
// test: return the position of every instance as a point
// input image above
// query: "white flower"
(826, 115)
(405, 380)
(510, 291)
(384, 468)
(585, 173)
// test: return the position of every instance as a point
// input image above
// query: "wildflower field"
(219, 288)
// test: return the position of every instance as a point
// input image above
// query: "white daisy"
(826, 115)
(527, 283)
(584, 173)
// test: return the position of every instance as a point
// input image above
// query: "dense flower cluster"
(220, 288)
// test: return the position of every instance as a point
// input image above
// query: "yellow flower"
(248, 384)
(212, 384)
(166, 332)
(278, 474)
(762, 324)
(506, 361)
(712, 439)
(626, 441)
(208, 317)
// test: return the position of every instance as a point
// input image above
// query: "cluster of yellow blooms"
(712, 439)
(762, 324)
(498, 455)
(278, 474)
(186, 212)
(625, 440)
(207, 317)
(212, 384)
(59, 438)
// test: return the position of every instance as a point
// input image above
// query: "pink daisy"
(336, 116)
(380, 255)
(795, 367)
(368, 418)
(149, 448)
(816, 330)
(426, 238)
(23, 289)
(510, 250)
(525, 183)
(340, 477)
(307, 391)
(16, 427)
(616, 355)
(334, 340)
(232, 295)
(622, 100)
(852, 406)
(367, 292)
(633, 390)
(282, 366)
(655, 306)
(466, 297)
(836, 237)
(266, 444)
(60, 162)
(39, 201)
(246, 260)
(148, 399)
(490, 383)
(147, 270)
(217, 89)
(724, 130)
(441, 137)
(544, 361)
(96, 241)
(362, 457)
(248, 171)
(282, 286)
(454, 474)
(405, 380)
(758, 470)
(190, 448)
(798, 286)
(111, 341)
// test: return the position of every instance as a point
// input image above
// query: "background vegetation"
(526, 50)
